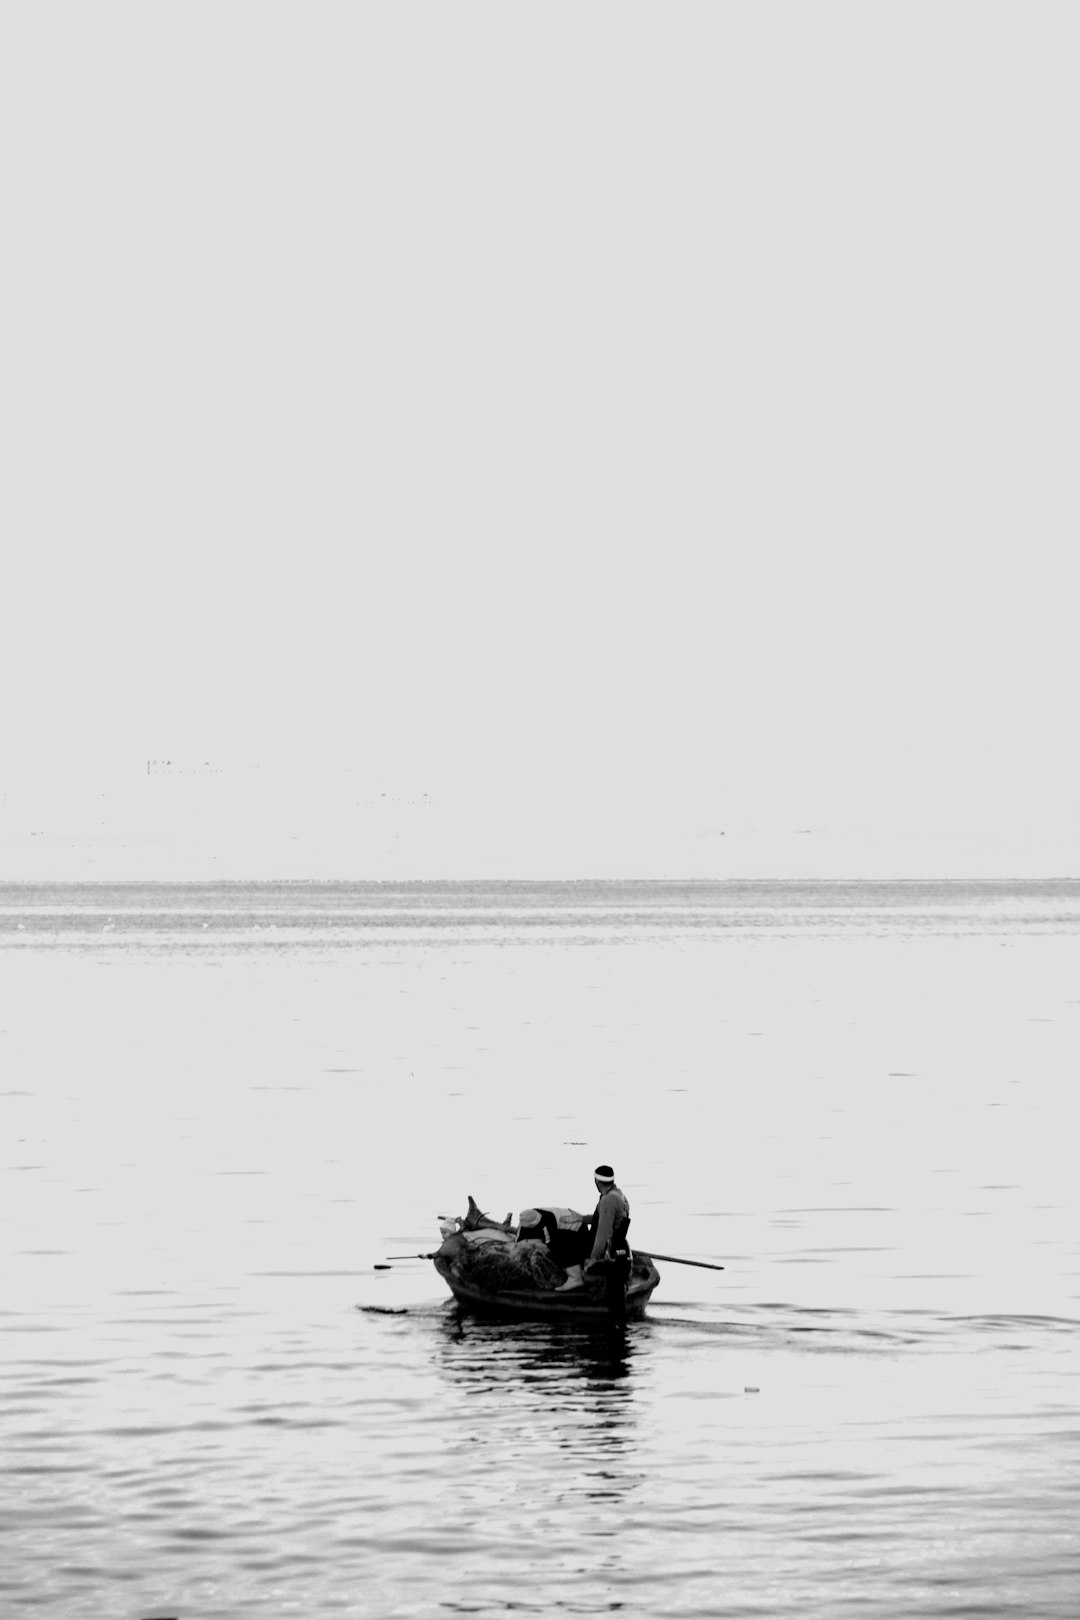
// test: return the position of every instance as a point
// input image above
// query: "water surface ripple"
(224, 1106)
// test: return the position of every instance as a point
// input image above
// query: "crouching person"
(566, 1234)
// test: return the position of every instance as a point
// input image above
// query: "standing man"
(609, 1249)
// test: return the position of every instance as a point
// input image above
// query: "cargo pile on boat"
(493, 1262)
(486, 1254)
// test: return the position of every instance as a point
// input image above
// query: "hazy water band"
(61, 912)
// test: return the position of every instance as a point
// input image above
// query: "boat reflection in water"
(552, 1410)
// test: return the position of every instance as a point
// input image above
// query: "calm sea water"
(222, 1106)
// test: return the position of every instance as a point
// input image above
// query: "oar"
(410, 1257)
(677, 1260)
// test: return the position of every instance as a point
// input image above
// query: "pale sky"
(623, 424)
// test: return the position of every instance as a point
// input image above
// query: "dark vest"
(620, 1228)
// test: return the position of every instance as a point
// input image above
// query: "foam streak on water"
(222, 1106)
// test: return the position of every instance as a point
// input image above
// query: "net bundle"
(513, 1266)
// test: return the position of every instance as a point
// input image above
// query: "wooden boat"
(544, 1300)
(585, 1305)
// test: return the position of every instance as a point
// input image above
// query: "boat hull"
(540, 1305)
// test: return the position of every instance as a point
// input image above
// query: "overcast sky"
(657, 419)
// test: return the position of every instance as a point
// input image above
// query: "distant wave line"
(326, 914)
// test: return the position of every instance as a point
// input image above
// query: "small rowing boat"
(489, 1273)
(588, 1304)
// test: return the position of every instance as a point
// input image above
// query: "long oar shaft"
(677, 1260)
(410, 1257)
